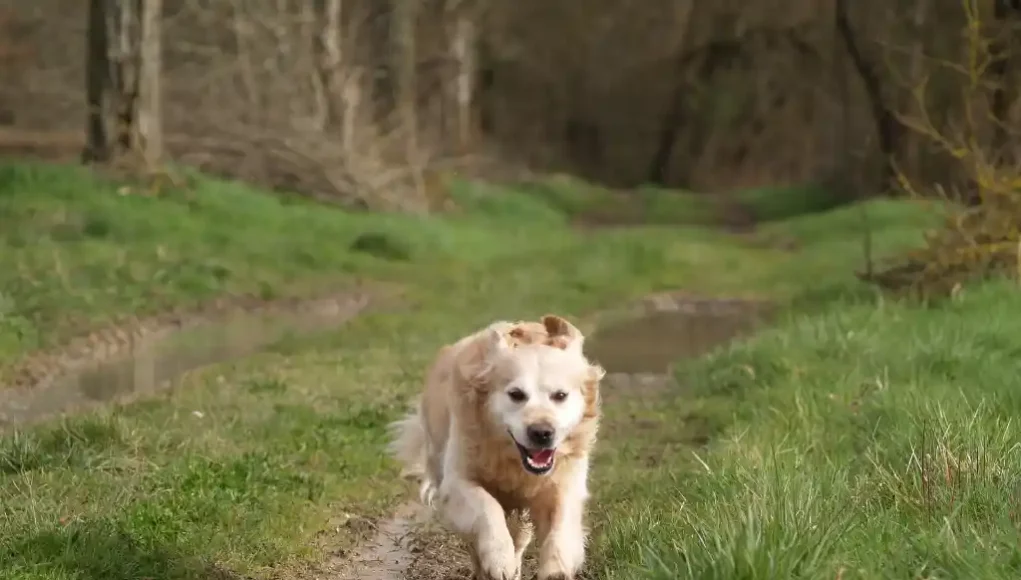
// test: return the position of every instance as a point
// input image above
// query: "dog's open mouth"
(537, 461)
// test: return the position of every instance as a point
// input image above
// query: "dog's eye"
(558, 397)
(517, 395)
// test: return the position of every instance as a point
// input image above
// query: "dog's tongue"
(542, 456)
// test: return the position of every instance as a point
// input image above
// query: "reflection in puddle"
(155, 362)
(652, 342)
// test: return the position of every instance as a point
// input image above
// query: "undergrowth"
(979, 239)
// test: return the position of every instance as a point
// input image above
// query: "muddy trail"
(155, 356)
(636, 345)
(637, 348)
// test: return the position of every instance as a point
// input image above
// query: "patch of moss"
(381, 246)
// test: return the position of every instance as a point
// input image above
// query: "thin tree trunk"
(380, 28)
(913, 154)
(243, 31)
(464, 53)
(486, 90)
(124, 70)
(149, 114)
(1004, 13)
(673, 116)
(405, 60)
(352, 96)
(887, 129)
(97, 77)
(329, 62)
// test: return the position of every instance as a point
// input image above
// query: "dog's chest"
(514, 488)
(497, 468)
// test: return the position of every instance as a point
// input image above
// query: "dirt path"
(391, 551)
(637, 351)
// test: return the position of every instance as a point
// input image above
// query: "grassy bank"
(252, 468)
(78, 252)
(651, 205)
(871, 441)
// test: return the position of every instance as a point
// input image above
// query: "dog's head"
(536, 386)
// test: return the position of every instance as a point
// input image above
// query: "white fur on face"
(540, 373)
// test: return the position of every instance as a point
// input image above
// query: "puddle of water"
(156, 361)
(653, 341)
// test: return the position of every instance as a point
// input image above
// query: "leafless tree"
(123, 74)
(405, 57)
(1003, 48)
(464, 53)
(330, 60)
(97, 70)
(148, 134)
(356, 100)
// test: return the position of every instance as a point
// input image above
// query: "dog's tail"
(410, 448)
(408, 445)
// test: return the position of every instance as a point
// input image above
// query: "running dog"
(500, 442)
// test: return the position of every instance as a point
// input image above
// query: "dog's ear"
(494, 338)
(559, 328)
(591, 390)
(476, 360)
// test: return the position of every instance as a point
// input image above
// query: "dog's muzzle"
(539, 456)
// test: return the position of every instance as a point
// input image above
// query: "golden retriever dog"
(500, 441)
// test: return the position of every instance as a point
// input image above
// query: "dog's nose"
(541, 434)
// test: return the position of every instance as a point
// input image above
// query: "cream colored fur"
(459, 442)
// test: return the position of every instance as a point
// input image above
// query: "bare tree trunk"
(659, 165)
(149, 112)
(1005, 15)
(486, 90)
(352, 92)
(914, 146)
(243, 32)
(124, 64)
(887, 129)
(380, 27)
(463, 51)
(405, 61)
(97, 71)
(329, 61)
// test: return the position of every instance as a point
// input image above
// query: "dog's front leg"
(559, 525)
(472, 512)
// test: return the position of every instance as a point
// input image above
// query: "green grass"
(75, 253)
(251, 468)
(870, 441)
(569, 197)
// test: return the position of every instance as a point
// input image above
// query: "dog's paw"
(557, 575)
(497, 560)
(560, 562)
(427, 492)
